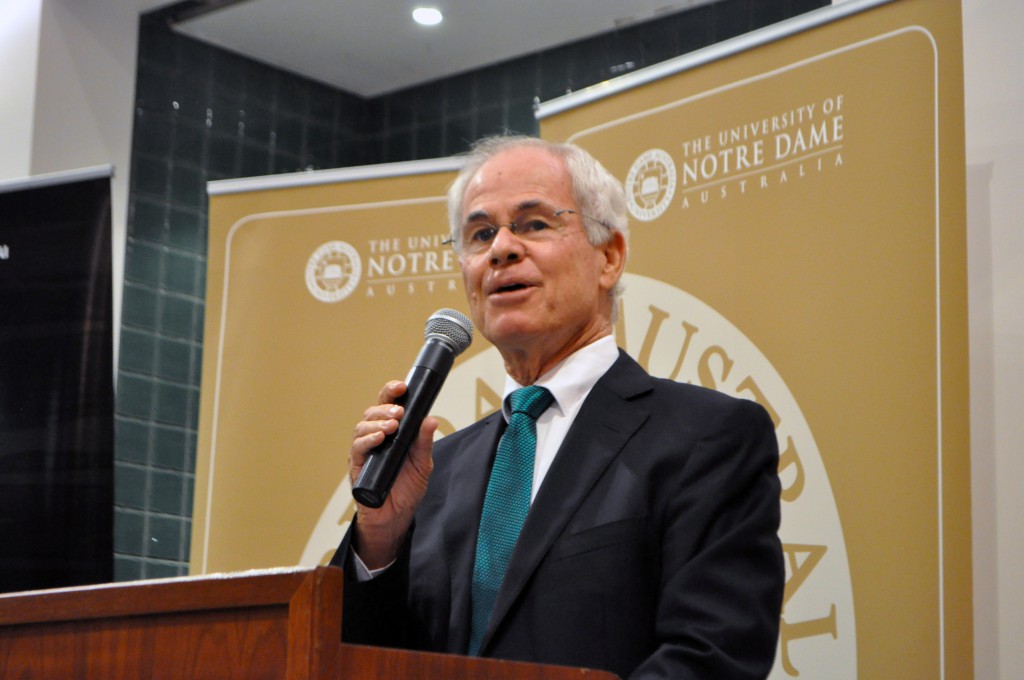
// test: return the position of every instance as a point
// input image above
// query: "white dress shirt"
(569, 382)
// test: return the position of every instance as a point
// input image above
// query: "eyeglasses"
(537, 224)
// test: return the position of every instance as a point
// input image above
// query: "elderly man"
(603, 518)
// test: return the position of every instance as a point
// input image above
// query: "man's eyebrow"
(523, 206)
(529, 204)
(478, 216)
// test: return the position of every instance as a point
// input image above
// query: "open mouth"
(510, 287)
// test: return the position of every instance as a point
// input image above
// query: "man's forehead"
(533, 173)
(521, 163)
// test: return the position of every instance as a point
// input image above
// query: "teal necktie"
(505, 504)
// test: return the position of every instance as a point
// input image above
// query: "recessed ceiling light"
(427, 16)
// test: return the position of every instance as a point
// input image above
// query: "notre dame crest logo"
(333, 271)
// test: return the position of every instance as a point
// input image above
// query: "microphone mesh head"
(452, 326)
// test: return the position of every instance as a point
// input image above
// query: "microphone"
(448, 334)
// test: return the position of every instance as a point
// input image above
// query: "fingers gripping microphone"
(448, 334)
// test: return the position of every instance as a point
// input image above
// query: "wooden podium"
(275, 624)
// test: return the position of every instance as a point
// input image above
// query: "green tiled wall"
(204, 114)
(201, 114)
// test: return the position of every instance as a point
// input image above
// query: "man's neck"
(526, 366)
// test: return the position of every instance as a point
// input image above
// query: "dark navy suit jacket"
(650, 550)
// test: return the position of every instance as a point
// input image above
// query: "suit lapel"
(605, 423)
(465, 499)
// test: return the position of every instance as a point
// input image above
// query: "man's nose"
(506, 246)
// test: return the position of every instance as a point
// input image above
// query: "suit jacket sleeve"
(376, 612)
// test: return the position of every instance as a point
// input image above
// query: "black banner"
(56, 384)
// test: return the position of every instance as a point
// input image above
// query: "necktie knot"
(532, 401)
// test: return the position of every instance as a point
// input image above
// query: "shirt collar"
(571, 379)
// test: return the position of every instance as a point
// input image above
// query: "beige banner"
(316, 295)
(798, 239)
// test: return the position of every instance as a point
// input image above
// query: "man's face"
(544, 298)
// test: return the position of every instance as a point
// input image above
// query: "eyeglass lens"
(537, 224)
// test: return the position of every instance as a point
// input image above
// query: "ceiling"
(373, 47)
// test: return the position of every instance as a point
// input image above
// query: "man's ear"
(614, 250)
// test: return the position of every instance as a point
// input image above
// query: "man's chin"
(510, 330)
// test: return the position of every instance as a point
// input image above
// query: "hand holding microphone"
(448, 333)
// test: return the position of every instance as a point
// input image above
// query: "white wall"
(994, 107)
(19, 49)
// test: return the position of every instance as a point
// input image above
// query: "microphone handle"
(385, 460)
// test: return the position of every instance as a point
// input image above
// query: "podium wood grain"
(280, 625)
